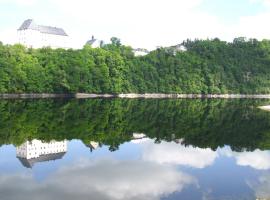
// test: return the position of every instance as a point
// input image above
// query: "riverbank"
(35, 96)
(133, 95)
(196, 96)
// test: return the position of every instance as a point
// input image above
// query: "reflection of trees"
(203, 123)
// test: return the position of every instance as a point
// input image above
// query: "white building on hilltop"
(140, 52)
(35, 151)
(32, 35)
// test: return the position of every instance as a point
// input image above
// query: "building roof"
(92, 41)
(92, 145)
(29, 163)
(141, 50)
(30, 24)
(179, 47)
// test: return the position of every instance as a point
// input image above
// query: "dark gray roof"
(142, 50)
(29, 163)
(30, 24)
(90, 42)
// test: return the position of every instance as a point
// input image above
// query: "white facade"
(32, 35)
(35, 39)
(180, 47)
(140, 52)
(37, 148)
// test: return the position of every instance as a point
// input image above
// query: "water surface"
(134, 149)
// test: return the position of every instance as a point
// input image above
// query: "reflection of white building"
(93, 145)
(35, 151)
(139, 138)
(138, 135)
(32, 35)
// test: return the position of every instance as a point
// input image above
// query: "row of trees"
(208, 66)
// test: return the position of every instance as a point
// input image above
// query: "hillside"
(207, 67)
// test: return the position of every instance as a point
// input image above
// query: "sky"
(140, 23)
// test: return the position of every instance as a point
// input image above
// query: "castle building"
(33, 35)
(35, 151)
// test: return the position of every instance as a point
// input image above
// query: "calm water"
(134, 149)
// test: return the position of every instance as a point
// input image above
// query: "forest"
(206, 67)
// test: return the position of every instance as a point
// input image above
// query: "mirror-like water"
(134, 149)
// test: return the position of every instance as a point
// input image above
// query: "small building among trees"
(95, 43)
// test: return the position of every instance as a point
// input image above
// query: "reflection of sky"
(173, 153)
(138, 171)
(103, 179)
(8, 160)
(257, 159)
(261, 186)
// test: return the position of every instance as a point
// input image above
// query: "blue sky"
(229, 11)
(140, 23)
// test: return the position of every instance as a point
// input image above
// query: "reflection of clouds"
(109, 179)
(257, 159)
(262, 187)
(139, 141)
(172, 153)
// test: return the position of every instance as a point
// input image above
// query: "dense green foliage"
(208, 66)
(202, 123)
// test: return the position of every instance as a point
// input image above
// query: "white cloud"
(176, 154)
(264, 2)
(139, 23)
(20, 2)
(261, 187)
(102, 180)
(257, 159)
(140, 141)
(254, 26)
(157, 22)
(8, 36)
(26, 2)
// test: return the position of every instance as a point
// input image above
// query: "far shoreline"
(134, 96)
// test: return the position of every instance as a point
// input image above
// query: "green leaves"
(208, 66)
(203, 123)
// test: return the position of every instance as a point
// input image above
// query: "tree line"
(207, 66)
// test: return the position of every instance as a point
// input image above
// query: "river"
(127, 149)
